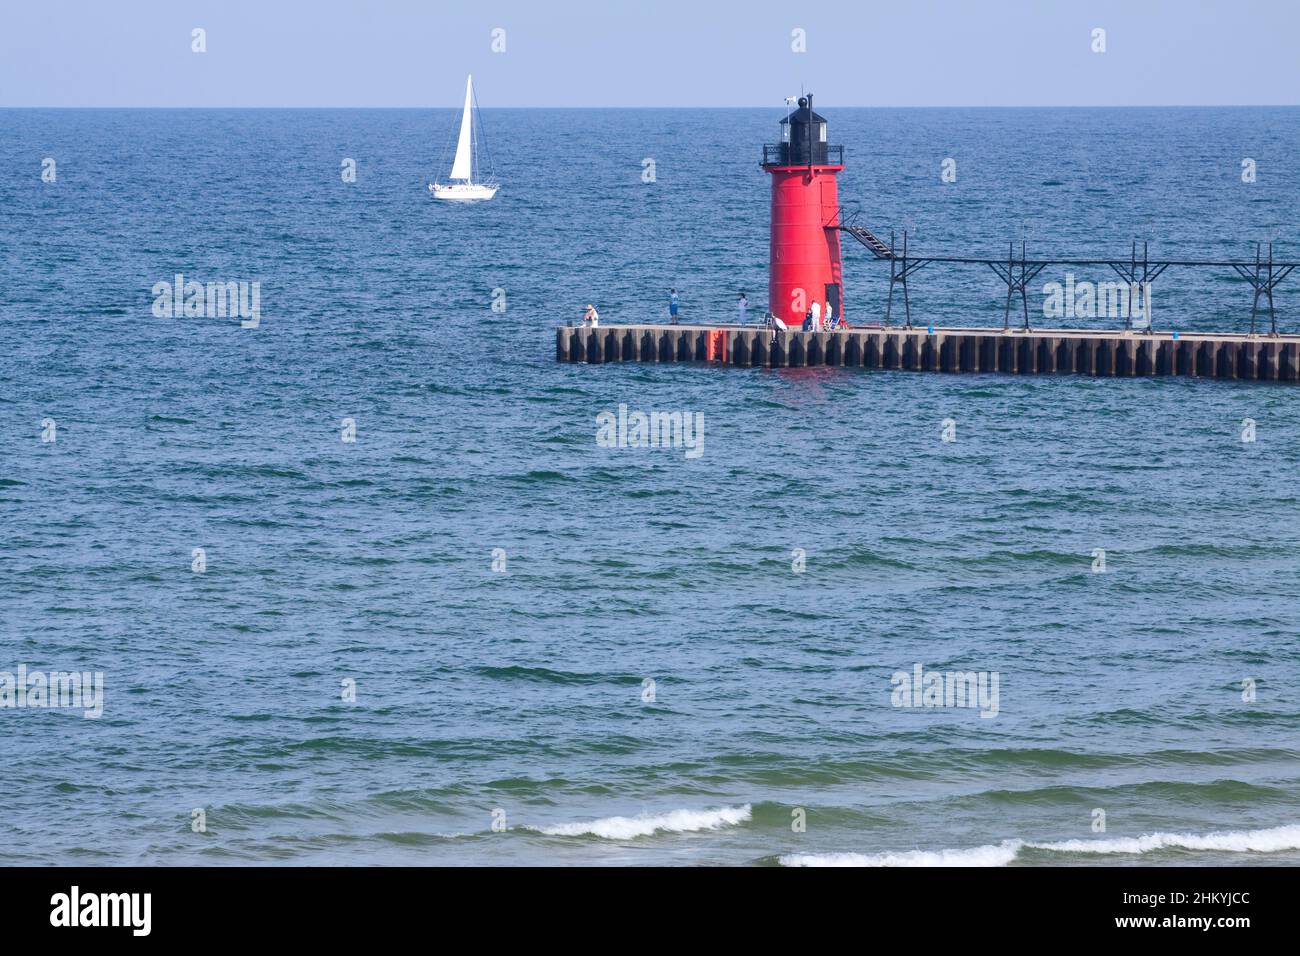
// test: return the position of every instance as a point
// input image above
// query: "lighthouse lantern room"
(804, 263)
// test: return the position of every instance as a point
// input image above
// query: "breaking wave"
(1240, 841)
(675, 821)
(999, 855)
(1270, 840)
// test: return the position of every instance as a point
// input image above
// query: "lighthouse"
(804, 254)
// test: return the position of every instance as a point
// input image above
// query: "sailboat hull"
(462, 192)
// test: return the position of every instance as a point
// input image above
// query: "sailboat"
(463, 186)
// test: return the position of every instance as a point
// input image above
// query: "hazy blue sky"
(665, 53)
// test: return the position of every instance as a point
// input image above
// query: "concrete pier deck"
(1016, 352)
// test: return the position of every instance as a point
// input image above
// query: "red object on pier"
(804, 262)
(717, 346)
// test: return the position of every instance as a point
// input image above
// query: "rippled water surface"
(519, 697)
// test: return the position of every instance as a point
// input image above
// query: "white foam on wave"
(1238, 841)
(999, 855)
(1269, 840)
(675, 821)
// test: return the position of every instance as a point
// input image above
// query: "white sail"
(461, 168)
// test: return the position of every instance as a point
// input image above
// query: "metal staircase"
(864, 235)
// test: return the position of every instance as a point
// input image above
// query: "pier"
(982, 350)
(805, 282)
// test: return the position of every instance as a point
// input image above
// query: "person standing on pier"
(816, 314)
(591, 316)
(743, 307)
(672, 306)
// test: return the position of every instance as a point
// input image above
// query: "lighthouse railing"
(786, 154)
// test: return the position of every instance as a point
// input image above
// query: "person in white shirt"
(591, 316)
(816, 316)
(830, 317)
(743, 307)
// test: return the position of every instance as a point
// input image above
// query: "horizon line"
(877, 106)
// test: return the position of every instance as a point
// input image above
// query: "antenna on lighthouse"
(808, 101)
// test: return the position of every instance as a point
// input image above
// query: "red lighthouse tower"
(805, 237)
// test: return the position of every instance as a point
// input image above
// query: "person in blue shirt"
(672, 306)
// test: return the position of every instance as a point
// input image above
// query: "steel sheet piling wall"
(1036, 352)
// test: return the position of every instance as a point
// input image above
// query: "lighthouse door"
(833, 298)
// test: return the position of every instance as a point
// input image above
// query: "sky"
(403, 53)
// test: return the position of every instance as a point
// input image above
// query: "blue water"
(520, 692)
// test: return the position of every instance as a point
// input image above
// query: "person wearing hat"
(591, 316)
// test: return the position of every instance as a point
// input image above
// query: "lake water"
(770, 587)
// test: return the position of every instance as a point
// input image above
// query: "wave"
(541, 477)
(1271, 840)
(1240, 841)
(999, 855)
(675, 821)
(546, 675)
